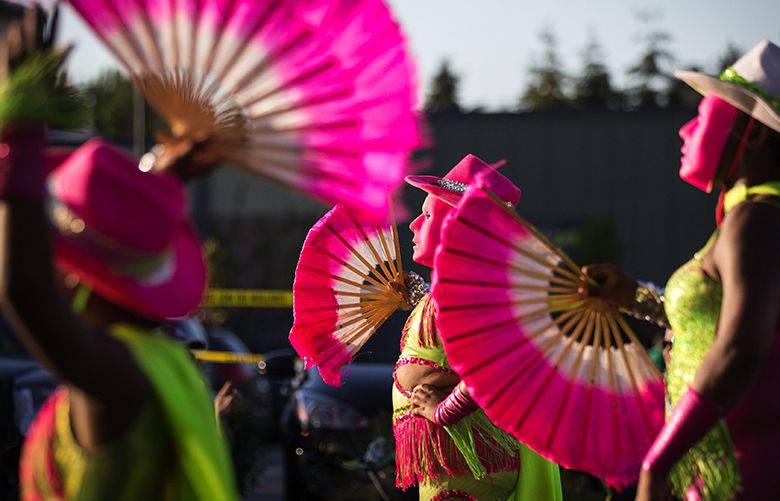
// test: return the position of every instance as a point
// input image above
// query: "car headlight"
(318, 411)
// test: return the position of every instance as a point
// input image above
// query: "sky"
(491, 44)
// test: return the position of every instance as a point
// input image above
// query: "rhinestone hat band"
(455, 186)
(459, 187)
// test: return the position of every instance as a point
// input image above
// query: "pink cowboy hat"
(125, 232)
(451, 187)
(752, 84)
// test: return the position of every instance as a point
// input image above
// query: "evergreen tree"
(651, 75)
(111, 99)
(546, 89)
(443, 95)
(593, 88)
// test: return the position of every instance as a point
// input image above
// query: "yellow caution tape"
(248, 298)
(227, 357)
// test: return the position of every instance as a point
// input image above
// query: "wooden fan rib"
(371, 324)
(516, 267)
(643, 353)
(367, 305)
(583, 329)
(596, 360)
(359, 256)
(565, 323)
(571, 264)
(343, 280)
(550, 289)
(243, 81)
(388, 275)
(346, 341)
(587, 336)
(396, 244)
(391, 260)
(521, 250)
(367, 295)
(546, 310)
(369, 328)
(233, 59)
(631, 375)
(356, 316)
(367, 277)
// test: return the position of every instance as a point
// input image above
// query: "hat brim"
(430, 185)
(177, 297)
(741, 97)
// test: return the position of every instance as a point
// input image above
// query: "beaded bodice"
(693, 301)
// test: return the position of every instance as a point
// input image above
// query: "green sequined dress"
(741, 455)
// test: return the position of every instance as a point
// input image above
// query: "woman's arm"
(747, 259)
(99, 367)
(40, 315)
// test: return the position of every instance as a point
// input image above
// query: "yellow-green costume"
(472, 459)
(173, 450)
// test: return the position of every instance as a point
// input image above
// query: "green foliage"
(651, 74)
(593, 88)
(444, 91)
(547, 87)
(36, 92)
(110, 97)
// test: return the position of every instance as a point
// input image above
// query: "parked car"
(338, 442)
(24, 386)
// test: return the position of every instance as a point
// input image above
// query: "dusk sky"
(492, 43)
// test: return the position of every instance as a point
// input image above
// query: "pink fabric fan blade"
(545, 364)
(320, 84)
(346, 285)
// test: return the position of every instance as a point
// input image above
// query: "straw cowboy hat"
(752, 84)
(125, 232)
(451, 187)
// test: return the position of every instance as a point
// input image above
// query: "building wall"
(573, 167)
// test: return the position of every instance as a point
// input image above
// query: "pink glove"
(691, 419)
(22, 175)
(453, 408)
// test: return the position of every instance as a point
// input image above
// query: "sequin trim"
(417, 361)
(453, 494)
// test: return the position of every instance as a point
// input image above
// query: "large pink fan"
(318, 95)
(561, 372)
(348, 281)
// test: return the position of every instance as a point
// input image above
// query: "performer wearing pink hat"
(444, 442)
(89, 270)
(721, 439)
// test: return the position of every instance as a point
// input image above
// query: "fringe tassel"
(710, 468)
(474, 446)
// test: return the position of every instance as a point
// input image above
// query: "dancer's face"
(704, 139)
(426, 228)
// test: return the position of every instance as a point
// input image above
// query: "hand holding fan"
(348, 281)
(562, 372)
(316, 95)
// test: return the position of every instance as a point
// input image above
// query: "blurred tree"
(110, 96)
(546, 89)
(651, 76)
(729, 57)
(443, 95)
(680, 95)
(592, 88)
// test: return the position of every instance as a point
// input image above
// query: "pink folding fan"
(561, 372)
(318, 95)
(348, 281)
